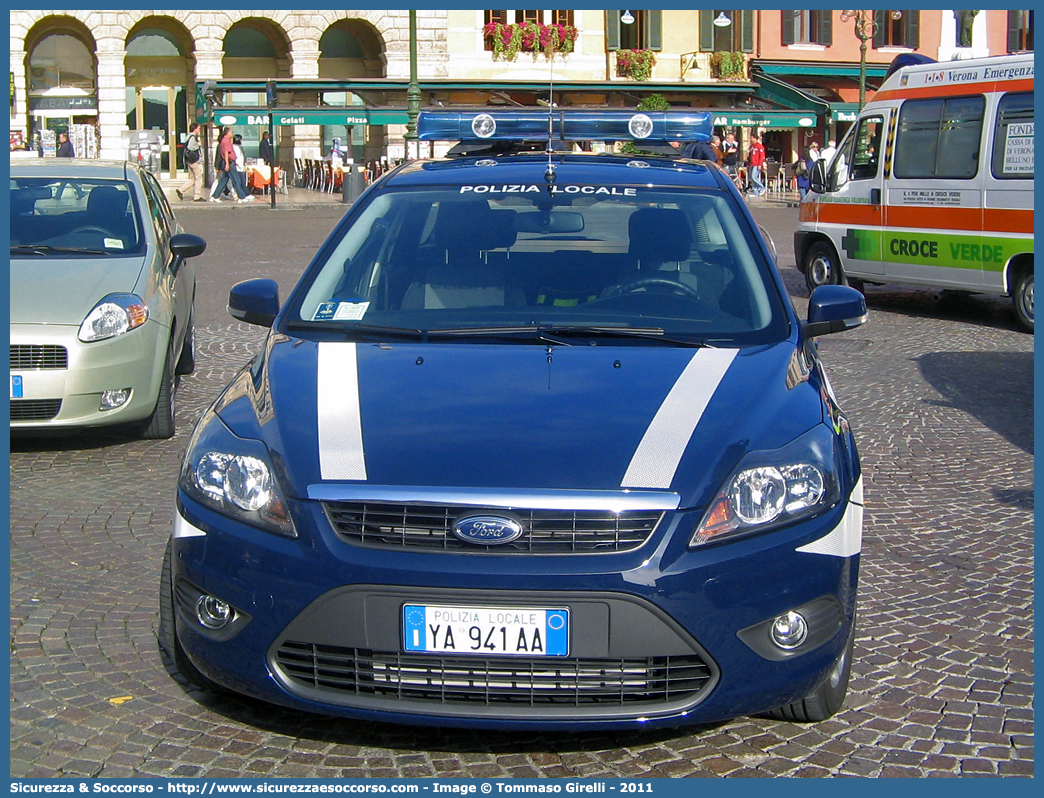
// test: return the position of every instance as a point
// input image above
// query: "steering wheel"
(645, 282)
(90, 228)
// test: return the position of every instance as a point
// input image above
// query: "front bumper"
(70, 396)
(661, 635)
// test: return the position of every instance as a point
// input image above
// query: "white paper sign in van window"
(1018, 149)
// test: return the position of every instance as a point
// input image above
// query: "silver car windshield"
(679, 262)
(73, 215)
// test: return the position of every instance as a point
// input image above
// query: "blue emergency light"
(572, 125)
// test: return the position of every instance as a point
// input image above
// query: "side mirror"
(254, 301)
(184, 246)
(834, 308)
(817, 177)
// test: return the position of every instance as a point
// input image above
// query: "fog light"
(789, 630)
(212, 612)
(110, 400)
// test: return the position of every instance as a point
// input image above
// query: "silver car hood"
(50, 290)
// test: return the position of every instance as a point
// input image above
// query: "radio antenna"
(549, 175)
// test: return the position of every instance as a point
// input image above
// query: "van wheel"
(1022, 298)
(821, 266)
(825, 700)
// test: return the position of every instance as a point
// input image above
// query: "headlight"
(770, 489)
(114, 315)
(234, 476)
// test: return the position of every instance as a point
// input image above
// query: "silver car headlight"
(234, 476)
(769, 489)
(114, 315)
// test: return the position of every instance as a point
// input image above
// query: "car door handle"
(875, 196)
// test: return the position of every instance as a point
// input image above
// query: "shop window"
(245, 42)
(154, 43)
(61, 61)
(807, 27)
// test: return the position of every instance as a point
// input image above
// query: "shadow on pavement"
(994, 387)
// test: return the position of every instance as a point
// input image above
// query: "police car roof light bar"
(566, 125)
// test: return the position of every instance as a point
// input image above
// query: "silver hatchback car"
(102, 290)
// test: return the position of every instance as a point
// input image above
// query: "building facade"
(789, 75)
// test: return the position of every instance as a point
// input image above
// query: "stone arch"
(62, 26)
(350, 48)
(260, 35)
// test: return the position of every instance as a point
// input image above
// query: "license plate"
(16, 387)
(515, 631)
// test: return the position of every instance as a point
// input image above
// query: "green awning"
(779, 92)
(844, 112)
(348, 116)
(824, 70)
(771, 119)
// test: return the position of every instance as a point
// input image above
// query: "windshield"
(73, 216)
(454, 260)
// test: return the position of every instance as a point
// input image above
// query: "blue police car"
(536, 441)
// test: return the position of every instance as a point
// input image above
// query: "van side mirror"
(834, 308)
(817, 177)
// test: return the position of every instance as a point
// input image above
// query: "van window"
(939, 138)
(858, 156)
(1013, 138)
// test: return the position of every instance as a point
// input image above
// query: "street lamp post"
(865, 28)
(413, 92)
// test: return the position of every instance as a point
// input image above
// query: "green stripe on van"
(934, 249)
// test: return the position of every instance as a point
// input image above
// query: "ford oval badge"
(487, 530)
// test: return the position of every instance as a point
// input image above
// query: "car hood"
(50, 290)
(520, 416)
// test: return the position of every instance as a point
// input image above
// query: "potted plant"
(729, 66)
(635, 64)
(507, 41)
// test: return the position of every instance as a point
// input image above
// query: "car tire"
(828, 698)
(167, 633)
(1022, 298)
(187, 358)
(821, 266)
(160, 424)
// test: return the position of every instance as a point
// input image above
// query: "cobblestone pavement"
(940, 396)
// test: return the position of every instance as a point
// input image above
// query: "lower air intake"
(344, 672)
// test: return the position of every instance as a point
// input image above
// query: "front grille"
(34, 409)
(31, 356)
(493, 680)
(546, 531)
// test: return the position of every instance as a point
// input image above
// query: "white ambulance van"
(932, 186)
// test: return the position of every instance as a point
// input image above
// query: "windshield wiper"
(548, 332)
(43, 249)
(355, 327)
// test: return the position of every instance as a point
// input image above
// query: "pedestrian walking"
(226, 165)
(756, 164)
(193, 157)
